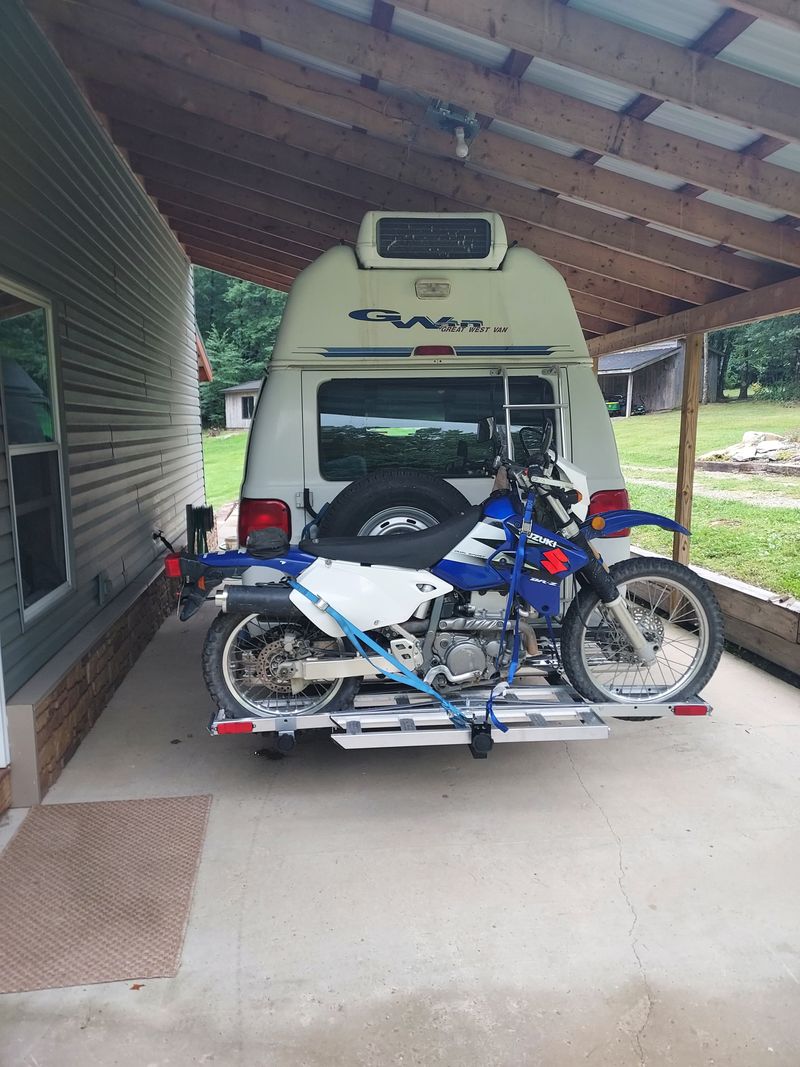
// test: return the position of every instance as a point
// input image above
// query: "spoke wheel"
(680, 619)
(242, 661)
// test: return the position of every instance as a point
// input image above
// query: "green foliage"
(223, 457)
(239, 322)
(229, 370)
(762, 353)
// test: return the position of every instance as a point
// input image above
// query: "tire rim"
(397, 520)
(674, 619)
(246, 670)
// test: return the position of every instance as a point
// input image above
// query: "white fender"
(369, 597)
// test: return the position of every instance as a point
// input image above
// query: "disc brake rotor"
(614, 645)
(269, 660)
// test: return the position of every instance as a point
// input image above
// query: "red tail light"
(172, 565)
(434, 350)
(259, 514)
(610, 500)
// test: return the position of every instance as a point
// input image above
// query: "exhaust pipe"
(270, 600)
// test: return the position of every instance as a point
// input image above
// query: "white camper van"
(388, 358)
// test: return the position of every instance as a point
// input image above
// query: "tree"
(228, 367)
(767, 353)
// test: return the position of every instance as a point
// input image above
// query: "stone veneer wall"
(64, 717)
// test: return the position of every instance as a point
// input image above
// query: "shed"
(240, 403)
(651, 377)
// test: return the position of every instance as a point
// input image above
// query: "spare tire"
(390, 502)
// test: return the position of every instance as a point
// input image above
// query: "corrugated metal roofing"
(704, 127)
(679, 21)
(635, 359)
(576, 83)
(768, 49)
(508, 129)
(682, 233)
(747, 207)
(361, 10)
(789, 156)
(642, 174)
(449, 39)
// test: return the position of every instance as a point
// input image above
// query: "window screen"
(427, 424)
(248, 405)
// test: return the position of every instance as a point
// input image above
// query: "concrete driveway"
(617, 903)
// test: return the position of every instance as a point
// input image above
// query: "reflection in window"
(248, 406)
(32, 443)
(427, 424)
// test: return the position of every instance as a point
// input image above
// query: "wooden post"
(595, 365)
(629, 397)
(687, 445)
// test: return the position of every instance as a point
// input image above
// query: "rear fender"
(622, 520)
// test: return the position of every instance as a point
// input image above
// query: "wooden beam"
(329, 96)
(191, 182)
(252, 251)
(687, 443)
(596, 325)
(180, 216)
(235, 268)
(620, 292)
(784, 13)
(578, 39)
(777, 299)
(221, 247)
(406, 175)
(617, 314)
(271, 229)
(365, 49)
(242, 183)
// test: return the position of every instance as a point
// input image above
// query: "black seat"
(416, 551)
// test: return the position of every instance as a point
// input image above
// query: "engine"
(466, 647)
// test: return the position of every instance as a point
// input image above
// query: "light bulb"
(462, 148)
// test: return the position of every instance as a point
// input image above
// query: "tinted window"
(428, 424)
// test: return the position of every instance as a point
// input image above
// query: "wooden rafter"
(606, 49)
(512, 159)
(453, 186)
(777, 299)
(364, 49)
(245, 185)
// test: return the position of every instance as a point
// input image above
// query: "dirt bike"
(407, 608)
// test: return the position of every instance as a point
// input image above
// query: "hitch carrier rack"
(396, 718)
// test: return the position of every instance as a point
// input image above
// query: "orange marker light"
(598, 522)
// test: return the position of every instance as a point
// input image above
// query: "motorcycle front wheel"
(242, 655)
(680, 618)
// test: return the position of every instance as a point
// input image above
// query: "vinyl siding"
(77, 228)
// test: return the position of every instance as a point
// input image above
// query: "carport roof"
(651, 152)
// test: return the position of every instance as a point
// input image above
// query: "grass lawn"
(733, 534)
(223, 458)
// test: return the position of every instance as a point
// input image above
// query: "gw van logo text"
(396, 319)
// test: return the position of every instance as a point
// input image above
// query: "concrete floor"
(614, 903)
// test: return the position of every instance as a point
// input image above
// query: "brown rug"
(98, 892)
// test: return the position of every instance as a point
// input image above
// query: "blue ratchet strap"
(359, 639)
(519, 560)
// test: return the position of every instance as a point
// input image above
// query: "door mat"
(98, 892)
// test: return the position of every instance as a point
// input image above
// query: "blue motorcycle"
(514, 587)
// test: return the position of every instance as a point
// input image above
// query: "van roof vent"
(401, 240)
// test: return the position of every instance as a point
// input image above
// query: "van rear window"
(427, 424)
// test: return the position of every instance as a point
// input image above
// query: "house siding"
(77, 229)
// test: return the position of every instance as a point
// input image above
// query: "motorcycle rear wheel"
(681, 618)
(240, 657)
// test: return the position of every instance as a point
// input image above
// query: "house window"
(248, 404)
(33, 447)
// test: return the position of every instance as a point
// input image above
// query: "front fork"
(596, 575)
